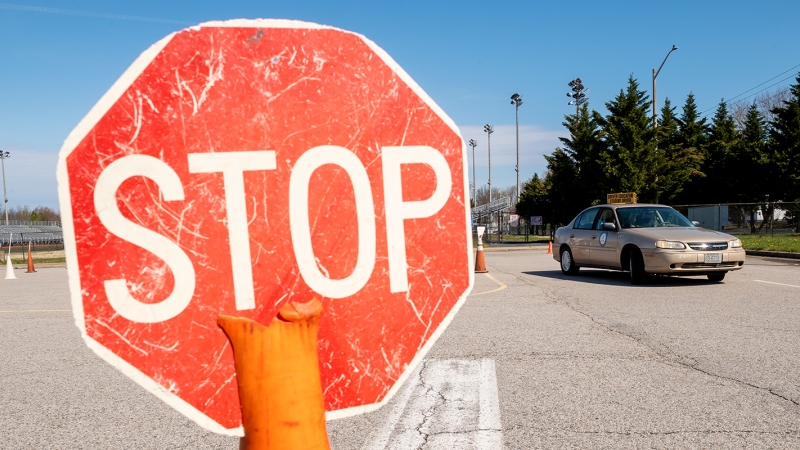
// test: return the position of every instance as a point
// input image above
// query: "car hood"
(683, 234)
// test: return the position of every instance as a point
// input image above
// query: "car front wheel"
(716, 277)
(636, 267)
(568, 266)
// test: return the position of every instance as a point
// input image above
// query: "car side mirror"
(695, 223)
(608, 226)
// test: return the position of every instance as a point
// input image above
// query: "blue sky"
(57, 58)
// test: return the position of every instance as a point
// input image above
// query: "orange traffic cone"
(480, 261)
(30, 260)
(277, 370)
(550, 247)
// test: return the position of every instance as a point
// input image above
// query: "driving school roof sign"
(621, 197)
(238, 165)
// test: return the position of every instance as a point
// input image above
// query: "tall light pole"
(655, 74)
(516, 100)
(473, 143)
(655, 116)
(3, 156)
(578, 94)
(489, 129)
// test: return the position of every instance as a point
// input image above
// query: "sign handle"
(277, 370)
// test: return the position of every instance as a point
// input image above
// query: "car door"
(604, 243)
(580, 236)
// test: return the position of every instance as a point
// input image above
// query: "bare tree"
(765, 102)
(482, 194)
(38, 213)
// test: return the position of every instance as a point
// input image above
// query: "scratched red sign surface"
(238, 165)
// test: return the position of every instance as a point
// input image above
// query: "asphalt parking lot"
(583, 362)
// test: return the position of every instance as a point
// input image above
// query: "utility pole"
(489, 129)
(473, 143)
(3, 156)
(578, 94)
(516, 100)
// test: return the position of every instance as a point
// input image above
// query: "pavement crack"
(663, 352)
(428, 413)
(669, 356)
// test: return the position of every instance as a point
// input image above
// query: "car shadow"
(613, 277)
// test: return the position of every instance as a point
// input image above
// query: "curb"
(514, 249)
(41, 265)
(772, 254)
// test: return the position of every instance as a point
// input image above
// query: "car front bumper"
(689, 262)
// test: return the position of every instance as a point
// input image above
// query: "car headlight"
(736, 243)
(670, 244)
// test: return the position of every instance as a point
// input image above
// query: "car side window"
(586, 220)
(606, 216)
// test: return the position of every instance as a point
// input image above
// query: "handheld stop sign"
(237, 166)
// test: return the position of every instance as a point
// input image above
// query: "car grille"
(712, 246)
(703, 266)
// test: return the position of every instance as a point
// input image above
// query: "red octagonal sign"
(237, 165)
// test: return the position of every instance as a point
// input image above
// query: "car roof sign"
(621, 198)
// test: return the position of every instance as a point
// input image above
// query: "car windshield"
(651, 216)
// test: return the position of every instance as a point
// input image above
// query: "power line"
(776, 76)
(757, 92)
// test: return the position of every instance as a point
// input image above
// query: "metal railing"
(31, 223)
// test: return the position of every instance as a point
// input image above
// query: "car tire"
(636, 267)
(716, 276)
(568, 266)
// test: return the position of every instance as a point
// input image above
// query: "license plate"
(713, 258)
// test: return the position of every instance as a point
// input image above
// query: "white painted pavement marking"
(445, 404)
(772, 282)
(378, 439)
(490, 434)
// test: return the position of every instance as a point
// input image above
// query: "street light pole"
(655, 74)
(473, 143)
(655, 116)
(489, 129)
(3, 156)
(516, 100)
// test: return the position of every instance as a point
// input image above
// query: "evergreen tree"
(754, 167)
(561, 186)
(692, 127)
(630, 158)
(693, 141)
(676, 164)
(722, 160)
(668, 133)
(784, 145)
(533, 200)
(584, 149)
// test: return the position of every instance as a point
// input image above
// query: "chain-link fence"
(505, 226)
(745, 218)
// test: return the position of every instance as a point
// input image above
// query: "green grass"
(39, 260)
(512, 238)
(776, 243)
